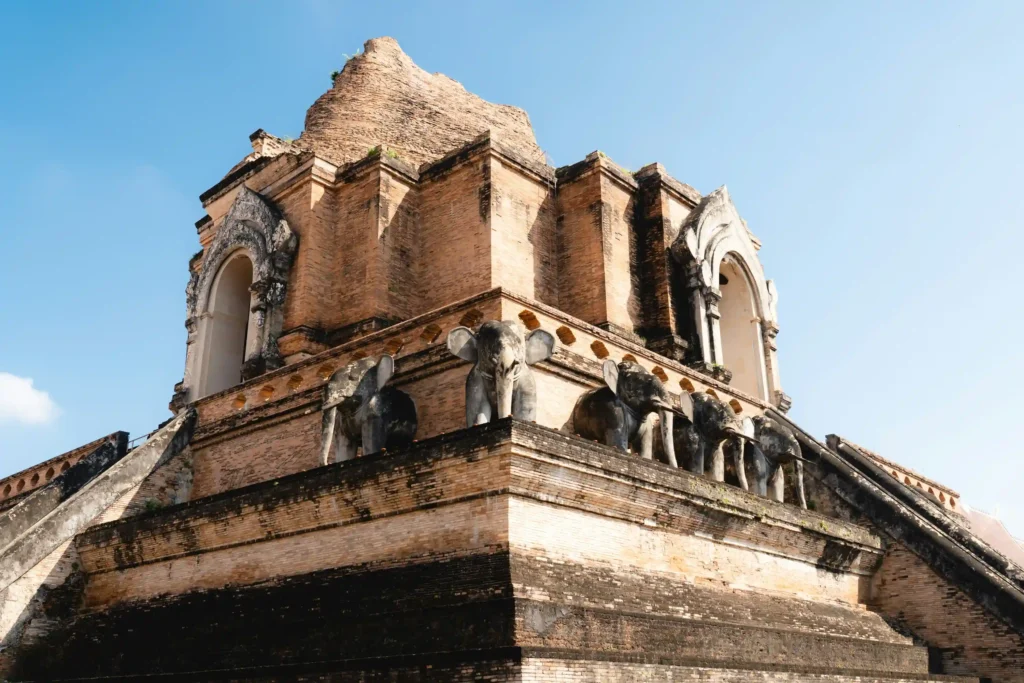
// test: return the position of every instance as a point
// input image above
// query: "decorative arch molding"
(256, 228)
(713, 232)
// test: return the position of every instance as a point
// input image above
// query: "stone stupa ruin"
(451, 414)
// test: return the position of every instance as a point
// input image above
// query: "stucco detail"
(254, 226)
(713, 234)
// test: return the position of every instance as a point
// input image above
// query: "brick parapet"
(38, 475)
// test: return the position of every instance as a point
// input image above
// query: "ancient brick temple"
(234, 544)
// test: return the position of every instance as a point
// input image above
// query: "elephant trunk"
(503, 387)
(667, 438)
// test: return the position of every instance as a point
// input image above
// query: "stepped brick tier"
(508, 548)
(349, 291)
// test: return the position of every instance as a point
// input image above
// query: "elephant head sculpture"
(501, 382)
(618, 414)
(774, 446)
(361, 410)
(702, 440)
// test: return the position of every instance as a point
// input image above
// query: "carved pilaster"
(713, 297)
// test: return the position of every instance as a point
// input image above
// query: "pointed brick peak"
(381, 97)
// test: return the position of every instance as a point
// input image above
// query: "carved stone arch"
(712, 232)
(747, 261)
(739, 331)
(255, 227)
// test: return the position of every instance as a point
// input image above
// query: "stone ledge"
(714, 643)
(507, 459)
(486, 144)
(762, 670)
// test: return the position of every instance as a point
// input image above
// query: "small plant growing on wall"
(348, 58)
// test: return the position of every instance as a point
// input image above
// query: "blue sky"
(876, 149)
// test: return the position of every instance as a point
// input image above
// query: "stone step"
(618, 633)
(662, 594)
(549, 664)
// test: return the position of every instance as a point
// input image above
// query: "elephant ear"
(610, 370)
(462, 343)
(540, 344)
(686, 405)
(385, 369)
(345, 382)
(747, 427)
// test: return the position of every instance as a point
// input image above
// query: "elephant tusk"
(790, 457)
(744, 437)
(672, 409)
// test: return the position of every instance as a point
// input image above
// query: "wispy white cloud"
(22, 402)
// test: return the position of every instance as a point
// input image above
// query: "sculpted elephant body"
(501, 382)
(703, 440)
(360, 410)
(774, 446)
(620, 413)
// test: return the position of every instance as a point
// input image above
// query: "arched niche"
(742, 351)
(253, 246)
(227, 326)
(735, 326)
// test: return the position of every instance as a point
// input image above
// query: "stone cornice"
(655, 174)
(597, 162)
(379, 162)
(231, 179)
(485, 144)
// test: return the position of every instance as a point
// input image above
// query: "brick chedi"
(374, 470)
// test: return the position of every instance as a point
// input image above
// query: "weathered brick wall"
(380, 241)
(582, 286)
(970, 640)
(378, 514)
(619, 238)
(451, 615)
(398, 289)
(592, 506)
(662, 211)
(599, 540)
(524, 254)
(455, 261)
(257, 454)
(309, 210)
(357, 254)
(596, 202)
